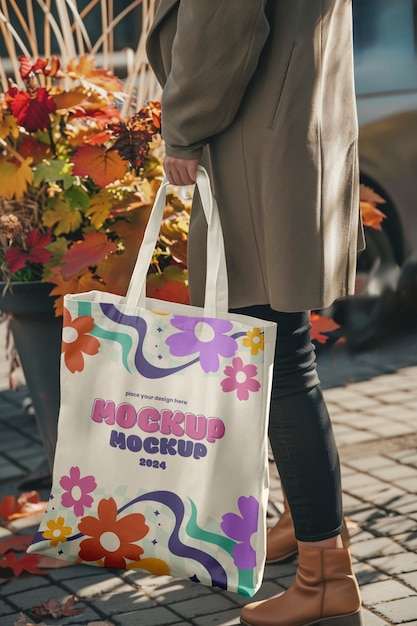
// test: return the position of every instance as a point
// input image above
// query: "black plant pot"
(37, 335)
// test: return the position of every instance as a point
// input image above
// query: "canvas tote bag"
(161, 461)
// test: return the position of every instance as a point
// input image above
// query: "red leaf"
(18, 543)
(321, 326)
(103, 166)
(89, 252)
(55, 609)
(26, 563)
(7, 506)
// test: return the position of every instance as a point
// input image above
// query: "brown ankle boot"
(281, 544)
(324, 591)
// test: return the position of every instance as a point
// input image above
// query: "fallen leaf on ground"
(18, 543)
(27, 504)
(27, 563)
(53, 608)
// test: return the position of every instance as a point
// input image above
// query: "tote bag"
(161, 460)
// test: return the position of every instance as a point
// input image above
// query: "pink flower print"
(204, 336)
(77, 491)
(240, 377)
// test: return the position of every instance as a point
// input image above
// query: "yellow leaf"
(9, 126)
(14, 179)
(100, 208)
(63, 217)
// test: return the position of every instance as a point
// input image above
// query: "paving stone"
(410, 579)
(202, 606)
(378, 546)
(175, 591)
(229, 618)
(396, 472)
(396, 564)
(5, 609)
(156, 616)
(369, 463)
(392, 525)
(409, 540)
(124, 599)
(366, 574)
(370, 619)
(404, 505)
(18, 584)
(10, 620)
(25, 600)
(384, 591)
(399, 611)
(408, 484)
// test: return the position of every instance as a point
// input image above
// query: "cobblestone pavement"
(372, 397)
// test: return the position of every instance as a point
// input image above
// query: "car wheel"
(378, 255)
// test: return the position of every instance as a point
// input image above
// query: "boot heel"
(353, 619)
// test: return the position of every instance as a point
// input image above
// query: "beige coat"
(266, 88)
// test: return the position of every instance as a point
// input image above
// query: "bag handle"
(216, 293)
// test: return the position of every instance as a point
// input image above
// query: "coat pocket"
(281, 93)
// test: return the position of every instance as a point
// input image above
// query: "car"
(385, 45)
(385, 59)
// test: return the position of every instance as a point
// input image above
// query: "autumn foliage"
(72, 170)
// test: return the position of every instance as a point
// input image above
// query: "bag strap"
(216, 293)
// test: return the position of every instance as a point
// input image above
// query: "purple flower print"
(240, 528)
(240, 377)
(77, 491)
(205, 336)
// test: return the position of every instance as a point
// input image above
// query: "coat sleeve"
(215, 52)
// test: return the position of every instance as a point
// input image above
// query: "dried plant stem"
(68, 28)
(11, 150)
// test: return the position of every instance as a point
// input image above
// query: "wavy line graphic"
(139, 324)
(171, 500)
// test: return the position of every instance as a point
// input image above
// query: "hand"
(181, 171)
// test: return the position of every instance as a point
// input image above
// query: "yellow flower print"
(57, 531)
(254, 340)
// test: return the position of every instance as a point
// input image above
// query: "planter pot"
(37, 335)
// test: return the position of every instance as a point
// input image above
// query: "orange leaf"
(28, 503)
(100, 77)
(89, 252)
(371, 216)
(69, 99)
(321, 326)
(75, 284)
(102, 165)
(26, 563)
(368, 195)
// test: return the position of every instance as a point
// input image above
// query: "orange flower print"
(112, 539)
(76, 341)
(57, 531)
(254, 340)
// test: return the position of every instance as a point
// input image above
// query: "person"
(261, 93)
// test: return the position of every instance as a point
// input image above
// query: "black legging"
(300, 431)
